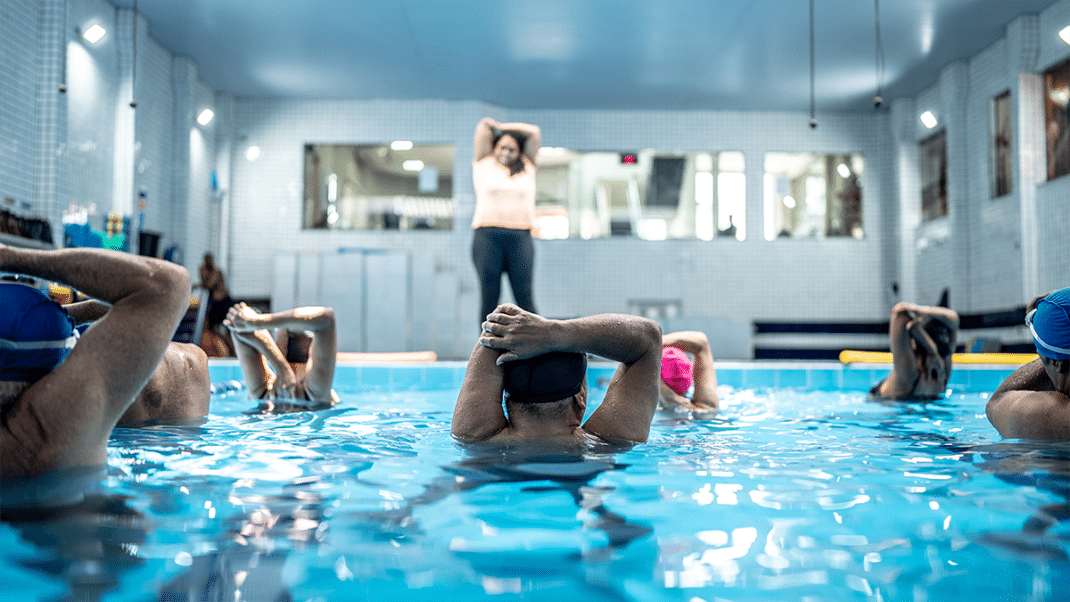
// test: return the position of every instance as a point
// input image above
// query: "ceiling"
(572, 54)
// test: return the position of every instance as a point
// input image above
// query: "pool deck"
(828, 375)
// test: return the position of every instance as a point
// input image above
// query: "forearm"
(619, 337)
(109, 276)
(313, 319)
(483, 143)
(86, 311)
(261, 341)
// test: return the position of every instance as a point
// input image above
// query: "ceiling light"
(412, 165)
(205, 117)
(1065, 34)
(928, 119)
(789, 202)
(843, 170)
(94, 33)
(400, 145)
(252, 153)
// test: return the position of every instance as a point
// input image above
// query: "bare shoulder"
(1024, 414)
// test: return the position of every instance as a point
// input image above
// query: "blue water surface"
(799, 489)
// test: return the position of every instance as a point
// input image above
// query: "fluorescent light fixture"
(1064, 34)
(928, 119)
(843, 170)
(401, 145)
(205, 117)
(252, 153)
(94, 33)
(412, 165)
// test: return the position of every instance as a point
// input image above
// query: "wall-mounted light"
(1064, 34)
(412, 165)
(205, 117)
(401, 145)
(252, 153)
(94, 33)
(928, 119)
(843, 170)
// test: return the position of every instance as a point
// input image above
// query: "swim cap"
(1050, 325)
(676, 369)
(36, 334)
(544, 378)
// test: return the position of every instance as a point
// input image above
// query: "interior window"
(390, 186)
(932, 154)
(812, 195)
(1002, 156)
(648, 194)
(1057, 119)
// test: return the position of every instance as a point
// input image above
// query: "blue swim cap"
(1050, 325)
(36, 334)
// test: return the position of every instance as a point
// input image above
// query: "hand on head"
(521, 333)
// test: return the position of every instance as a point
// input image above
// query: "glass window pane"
(810, 195)
(389, 186)
(1057, 119)
(933, 156)
(1003, 159)
(650, 194)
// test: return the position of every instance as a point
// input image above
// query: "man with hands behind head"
(1034, 401)
(540, 365)
(59, 400)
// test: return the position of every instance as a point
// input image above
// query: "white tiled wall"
(991, 253)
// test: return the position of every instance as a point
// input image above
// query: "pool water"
(799, 489)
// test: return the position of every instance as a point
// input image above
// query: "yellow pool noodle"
(850, 356)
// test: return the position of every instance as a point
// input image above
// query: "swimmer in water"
(540, 366)
(180, 387)
(922, 339)
(1034, 401)
(305, 372)
(679, 372)
(61, 394)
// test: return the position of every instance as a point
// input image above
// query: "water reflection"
(83, 538)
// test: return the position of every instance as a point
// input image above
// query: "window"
(391, 186)
(650, 194)
(812, 195)
(933, 156)
(1002, 155)
(1057, 119)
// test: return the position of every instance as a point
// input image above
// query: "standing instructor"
(503, 175)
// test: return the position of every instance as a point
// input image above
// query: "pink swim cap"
(676, 369)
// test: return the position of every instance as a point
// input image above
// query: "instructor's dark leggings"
(498, 250)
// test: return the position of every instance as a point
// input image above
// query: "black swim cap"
(544, 378)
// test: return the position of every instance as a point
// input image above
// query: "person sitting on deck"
(541, 367)
(305, 373)
(679, 372)
(60, 393)
(922, 339)
(1034, 401)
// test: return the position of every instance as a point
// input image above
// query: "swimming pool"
(799, 489)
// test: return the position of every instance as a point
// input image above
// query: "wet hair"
(942, 335)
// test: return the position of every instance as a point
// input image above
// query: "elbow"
(650, 331)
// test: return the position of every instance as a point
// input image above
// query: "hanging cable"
(63, 52)
(878, 99)
(133, 67)
(813, 117)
